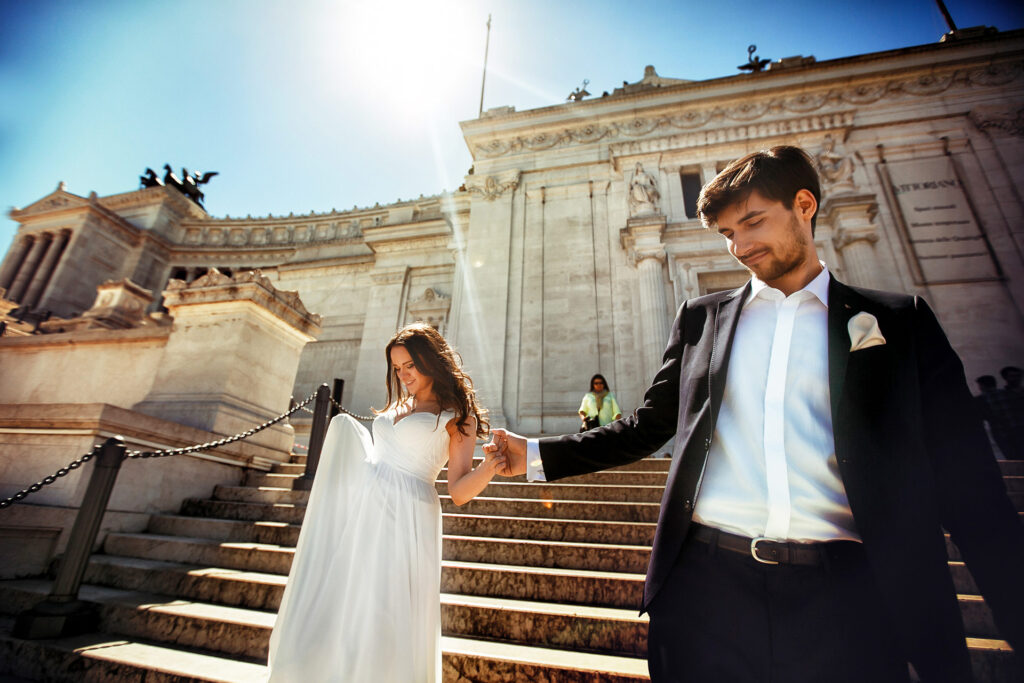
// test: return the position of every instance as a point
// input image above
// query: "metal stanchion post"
(317, 432)
(62, 613)
(336, 395)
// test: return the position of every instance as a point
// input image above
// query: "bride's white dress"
(362, 601)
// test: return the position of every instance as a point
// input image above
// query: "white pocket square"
(864, 332)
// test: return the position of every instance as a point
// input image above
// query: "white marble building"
(573, 241)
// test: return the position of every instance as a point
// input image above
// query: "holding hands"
(509, 451)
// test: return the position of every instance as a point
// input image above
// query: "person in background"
(1005, 413)
(599, 406)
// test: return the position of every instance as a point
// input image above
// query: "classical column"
(28, 268)
(14, 258)
(852, 218)
(46, 268)
(642, 239)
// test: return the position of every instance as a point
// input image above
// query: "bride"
(362, 602)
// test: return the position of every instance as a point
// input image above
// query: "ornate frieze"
(921, 85)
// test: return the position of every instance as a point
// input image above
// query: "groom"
(824, 438)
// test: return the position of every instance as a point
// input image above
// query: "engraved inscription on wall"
(941, 227)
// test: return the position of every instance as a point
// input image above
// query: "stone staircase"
(540, 582)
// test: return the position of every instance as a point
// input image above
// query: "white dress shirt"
(772, 469)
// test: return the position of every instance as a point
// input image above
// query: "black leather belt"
(777, 552)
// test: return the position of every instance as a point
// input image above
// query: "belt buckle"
(753, 550)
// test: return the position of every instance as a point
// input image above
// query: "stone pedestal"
(852, 217)
(231, 359)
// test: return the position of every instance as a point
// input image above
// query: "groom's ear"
(806, 207)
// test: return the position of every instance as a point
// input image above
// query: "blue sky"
(311, 105)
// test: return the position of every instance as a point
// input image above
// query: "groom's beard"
(784, 257)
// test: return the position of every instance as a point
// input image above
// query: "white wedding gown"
(362, 601)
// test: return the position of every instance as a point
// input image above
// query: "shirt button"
(687, 504)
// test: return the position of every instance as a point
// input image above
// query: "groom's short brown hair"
(777, 174)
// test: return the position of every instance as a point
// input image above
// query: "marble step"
(599, 492)
(245, 632)
(571, 530)
(555, 509)
(1011, 467)
(502, 507)
(613, 477)
(518, 582)
(609, 477)
(272, 479)
(281, 533)
(563, 491)
(253, 512)
(272, 558)
(275, 533)
(104, 658)
(299, 458)
(101, 657)
(288, 468)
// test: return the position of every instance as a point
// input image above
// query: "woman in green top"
(599, 406)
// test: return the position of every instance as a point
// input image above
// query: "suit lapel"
(840, 310)
(727, 316)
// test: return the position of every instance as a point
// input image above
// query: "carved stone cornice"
(779, 108)
(837, 122)
(251, 285)
(491, 187)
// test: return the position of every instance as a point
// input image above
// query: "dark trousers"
(723, 617)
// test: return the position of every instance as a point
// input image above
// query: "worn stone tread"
(103, 657)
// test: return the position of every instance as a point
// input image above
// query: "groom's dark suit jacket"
(912, 453)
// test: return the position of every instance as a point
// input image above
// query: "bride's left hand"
(494, 459)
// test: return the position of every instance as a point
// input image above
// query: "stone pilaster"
(383, 311)
(230, 362)
(45, 271)
(642, 239)
(15, 256)
(28, 268)
(852, 217)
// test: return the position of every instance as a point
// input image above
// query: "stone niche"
(231, 360)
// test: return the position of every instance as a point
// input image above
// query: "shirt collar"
(818, 286)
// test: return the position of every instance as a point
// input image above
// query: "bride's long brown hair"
(434, 358)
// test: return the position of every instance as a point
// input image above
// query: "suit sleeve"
(974, 506)
(630, 438)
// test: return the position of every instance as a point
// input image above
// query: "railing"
(61, 613)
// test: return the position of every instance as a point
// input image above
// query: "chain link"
(49, 479)
(349, 412)
(209, 445)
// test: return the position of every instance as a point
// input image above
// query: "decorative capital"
(641, 238)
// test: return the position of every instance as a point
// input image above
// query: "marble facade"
(573, 241)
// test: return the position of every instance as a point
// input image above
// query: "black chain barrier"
(349, 412)
(346, 411)
(209, 445)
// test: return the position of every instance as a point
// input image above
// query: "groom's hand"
(513, 447)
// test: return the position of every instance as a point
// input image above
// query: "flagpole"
(483, 81)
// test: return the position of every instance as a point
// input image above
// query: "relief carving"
(491, 187)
